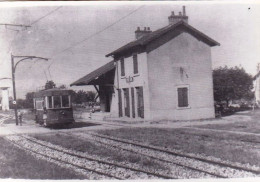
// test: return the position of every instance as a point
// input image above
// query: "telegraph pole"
(14, 65)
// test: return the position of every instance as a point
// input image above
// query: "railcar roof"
(52, 92)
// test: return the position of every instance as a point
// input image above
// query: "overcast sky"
(236, 26)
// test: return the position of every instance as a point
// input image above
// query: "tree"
(62, 86)
(50, 84)
(232, 84)
(91, 96)
(82, 96)
(29, 100)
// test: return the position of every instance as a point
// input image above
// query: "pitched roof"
(143, 41)
(94, 74)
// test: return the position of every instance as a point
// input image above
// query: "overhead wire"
(89, 37)
(85, 39)
(34, 22)
(45, 15)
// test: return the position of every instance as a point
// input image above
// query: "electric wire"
(80, 42)
(102, 30)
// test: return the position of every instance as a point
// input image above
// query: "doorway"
(140, 102)
(126, 102)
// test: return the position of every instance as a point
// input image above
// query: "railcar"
(53, 106)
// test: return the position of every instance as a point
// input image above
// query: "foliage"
(50, 84)
(26, 103)
(82, 96)
(62, 86)
(232, 84)
(29, 99)
(91, 96)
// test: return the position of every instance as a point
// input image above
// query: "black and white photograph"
(144, 90)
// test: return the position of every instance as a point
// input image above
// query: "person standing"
(20, 117)
(44, 116)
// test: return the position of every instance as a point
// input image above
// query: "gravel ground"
(32, 148)
(4, 117)
(171, 168)
(117, 172)
(224, 171)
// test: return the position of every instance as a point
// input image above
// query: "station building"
(162, 75)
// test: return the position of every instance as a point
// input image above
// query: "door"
(120, 103)
(140, 102)
(126, 102)
(133, 102)
(107, 102)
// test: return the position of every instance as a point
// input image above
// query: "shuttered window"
(133, 102)
(122, 63)
(135, 63)
(183, 97)
(120, 103)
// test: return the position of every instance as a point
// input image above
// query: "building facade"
(163, 75)
(257, 85)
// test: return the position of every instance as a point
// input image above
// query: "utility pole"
(14, 65)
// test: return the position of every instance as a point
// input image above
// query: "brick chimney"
(176, 18)
(140, 33)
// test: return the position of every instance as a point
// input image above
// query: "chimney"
(176, 18)
(140, 33)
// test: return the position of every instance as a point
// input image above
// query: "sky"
(76, 36)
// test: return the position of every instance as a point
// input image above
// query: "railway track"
(225, 169)
(105, 170)
(160, 159)
(4, 117)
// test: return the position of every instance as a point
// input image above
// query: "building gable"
(157, 38)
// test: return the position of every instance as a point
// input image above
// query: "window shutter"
(183, 97)
(135, 63)
(122, 63)
(120, 103)
(133, 102)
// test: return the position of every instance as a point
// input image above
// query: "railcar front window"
(50, 102)
(65, 101)
(39, 104)
(57, 101)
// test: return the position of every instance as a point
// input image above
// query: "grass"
(252, 126)
(18, 164)
(83, 145)
(236, 148)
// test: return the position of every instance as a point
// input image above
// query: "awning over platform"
(101, 76)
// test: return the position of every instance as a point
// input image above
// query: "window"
(135, 63)
(50, 102)
(65, 101)
(39, 103)
(183, 97)
(57, 101)
(122, 63)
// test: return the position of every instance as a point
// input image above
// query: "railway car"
(53, 106)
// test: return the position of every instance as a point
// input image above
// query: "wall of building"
(5, 100)
(257, 90)
(140, 79)
(183, 61)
